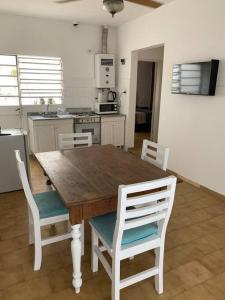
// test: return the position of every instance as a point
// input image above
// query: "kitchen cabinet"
(112, 130)
(62, 128)
(45, 139)
(43, 134)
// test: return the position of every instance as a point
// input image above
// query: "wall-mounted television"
(197, 78)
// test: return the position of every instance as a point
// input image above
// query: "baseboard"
(197, 185)
(189, 181)
(218, 195)
(179, 179)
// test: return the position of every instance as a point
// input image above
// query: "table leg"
(76, 257)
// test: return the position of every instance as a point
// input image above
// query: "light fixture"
(113, 6)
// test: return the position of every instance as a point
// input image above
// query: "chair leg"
(115, 279)
(37, 248)
(94, 256)
(68, 226)
(159, 256)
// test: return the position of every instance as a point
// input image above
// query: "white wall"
(192, 126)
(154, 54)
(75, 45)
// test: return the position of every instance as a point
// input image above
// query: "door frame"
(156, 101)
(133, 90)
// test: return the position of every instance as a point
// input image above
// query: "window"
(40, 80)
(9, 92)
(30, 80)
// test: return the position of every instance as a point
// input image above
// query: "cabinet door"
(107, 133)
(118, 133)
(62, 128)
(45, 138)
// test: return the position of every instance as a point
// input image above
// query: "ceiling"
(84, 11)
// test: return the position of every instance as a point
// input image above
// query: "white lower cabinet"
(44, 134)
(66, 128)
(45, 138)
(106, 133)
(112, 130)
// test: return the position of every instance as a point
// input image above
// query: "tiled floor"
(194, 257)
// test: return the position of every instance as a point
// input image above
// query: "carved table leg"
(76, 257)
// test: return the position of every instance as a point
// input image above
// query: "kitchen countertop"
(112, 115)
(13, 132)
(43, 118)
(40, 117)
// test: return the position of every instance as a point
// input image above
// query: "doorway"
(148, 96)
(144, 102)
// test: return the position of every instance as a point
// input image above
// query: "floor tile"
(194, 267)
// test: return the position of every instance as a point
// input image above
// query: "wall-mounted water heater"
(105, 71)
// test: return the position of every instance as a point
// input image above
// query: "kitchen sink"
(50, 116)
(53, 117)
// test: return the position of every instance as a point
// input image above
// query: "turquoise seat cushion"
(49, 204)
(105, 225)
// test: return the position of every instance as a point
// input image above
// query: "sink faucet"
(47, 108)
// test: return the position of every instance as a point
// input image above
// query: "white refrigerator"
(10, 140)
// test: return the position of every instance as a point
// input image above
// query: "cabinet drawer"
(113, 119)
(52, 122)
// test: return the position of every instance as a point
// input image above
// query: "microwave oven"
(106, 108)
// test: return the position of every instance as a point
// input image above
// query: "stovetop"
(85, 115)
(82, 112)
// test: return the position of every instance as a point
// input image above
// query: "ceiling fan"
(115, 6)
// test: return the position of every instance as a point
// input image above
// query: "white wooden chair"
(156, 154)
(43, 209)
(134, 230)
(69, 140)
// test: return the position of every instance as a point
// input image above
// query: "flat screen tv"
(195, 78)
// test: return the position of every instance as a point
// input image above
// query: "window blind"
(40, 80)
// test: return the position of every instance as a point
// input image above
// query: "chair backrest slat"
(143, 199)
(157, 206)
(151, 153)
(146, 210)
(74, 142)
(147, 186)
(156, 154)
(69, 140)
(145, 220)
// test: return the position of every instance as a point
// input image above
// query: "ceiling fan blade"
(149, 3)
(65, 1)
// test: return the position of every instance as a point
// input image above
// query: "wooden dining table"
(87, 180)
